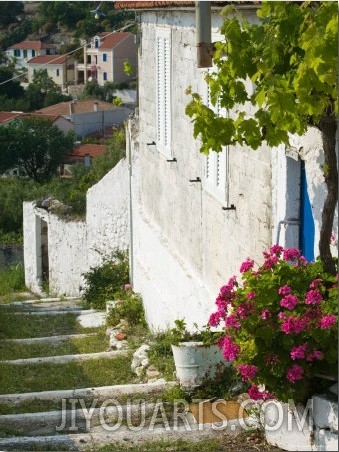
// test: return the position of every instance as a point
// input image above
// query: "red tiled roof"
(131, 4)
(49, 59)
(35, 45)
(8, 115)
(110, 40)
(146, 4)
(79, 106)
(93, 150)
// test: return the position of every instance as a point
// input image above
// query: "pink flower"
(299, 352)
(292, 325)
(251, 295)
(230, 349)
(214, 319)
(127, 287)
(291, 254)
(289, 302)
(270, 262)
(327, 321)
(256, 394)
(247, 371)
(266, 314)
(294, 373)
(276, 249)
(246, 265)
(231, 321)
(316, 283)
(284, 290)
(316, 354)
(313, 297)
(244, 310)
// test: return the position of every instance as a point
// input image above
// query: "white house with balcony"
(24, 51)
(104, 58)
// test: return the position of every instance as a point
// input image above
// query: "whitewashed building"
(194, 219)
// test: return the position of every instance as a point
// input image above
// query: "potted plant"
(197, 356)
(280, 325)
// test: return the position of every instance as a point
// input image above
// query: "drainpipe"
(131, 248)
(203, 27)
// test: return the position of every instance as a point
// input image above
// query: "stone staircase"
(90, 418)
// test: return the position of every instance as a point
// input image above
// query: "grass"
(20, 326)
(50, 376)
(91, 344)
(12, 280)
(180, 445)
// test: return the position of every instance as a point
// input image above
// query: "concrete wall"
(86, 123)
(75, 246)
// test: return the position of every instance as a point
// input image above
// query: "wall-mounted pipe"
(203, 30)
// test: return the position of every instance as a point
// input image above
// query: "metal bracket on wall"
(231, 207)
(195, 180)
(171, 160)
(153, 143)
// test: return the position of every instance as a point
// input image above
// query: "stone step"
(100, 393)
(124, 435)
(77, 419)
(63, 359)
(43, 311)
(49, 339)
(48, 303)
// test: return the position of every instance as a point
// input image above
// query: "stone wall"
(10, 255)
(73, 247)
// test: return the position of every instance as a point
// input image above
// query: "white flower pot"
(196, 362)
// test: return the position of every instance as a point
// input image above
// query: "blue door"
(306, 219)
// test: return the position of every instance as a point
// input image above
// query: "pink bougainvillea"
(280, 323)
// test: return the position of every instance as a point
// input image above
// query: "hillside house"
(62, 123)
(59, 68)
(195, 218)
(84, 154)
(104, 59)
(24, 51)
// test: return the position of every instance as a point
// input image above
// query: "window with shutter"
(163, 81)
(216, 163)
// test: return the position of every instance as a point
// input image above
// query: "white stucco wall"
(67, 244)
(107, 215)
(185, 246)
(76, 246)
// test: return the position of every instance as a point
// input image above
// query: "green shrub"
(106, 282)
(128, 306)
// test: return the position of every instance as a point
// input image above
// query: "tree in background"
(291, 58)
(34, 145)
(10, 11)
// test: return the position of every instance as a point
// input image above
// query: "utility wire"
(57, 57)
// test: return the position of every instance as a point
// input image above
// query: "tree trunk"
(328, 127)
